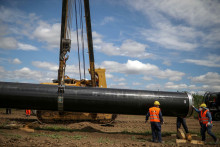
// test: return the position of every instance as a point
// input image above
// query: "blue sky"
(162, 45)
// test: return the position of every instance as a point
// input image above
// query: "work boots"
(188, 136)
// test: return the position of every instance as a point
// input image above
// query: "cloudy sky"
(171, 45)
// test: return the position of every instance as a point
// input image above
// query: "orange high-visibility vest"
(154, 114)
(204, 119)
(28, 112)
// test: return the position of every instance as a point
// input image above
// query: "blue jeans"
(182, 121)
(208, 128)
(156, 131)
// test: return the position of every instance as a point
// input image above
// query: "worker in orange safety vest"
(206, 122)
(28, 112)
(156, 120)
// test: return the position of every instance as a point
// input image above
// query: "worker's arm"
(208, 114)
(161, 117)
(197, 110)
(147, 116)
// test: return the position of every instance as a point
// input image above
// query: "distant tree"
(198, 99)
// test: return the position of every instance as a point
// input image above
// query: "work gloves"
(208, 124)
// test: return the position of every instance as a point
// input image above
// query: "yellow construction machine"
(97, 75)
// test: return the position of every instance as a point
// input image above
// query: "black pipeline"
(95, 100)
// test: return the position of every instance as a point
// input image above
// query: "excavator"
(98, 78)
(212, 100)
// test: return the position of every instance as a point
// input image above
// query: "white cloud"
(74, 70)
(17, 24)
(138, 68)
(147, 78)
(172, 37)
(8, 43)
(129, 48)
(16, 61)
(48, 33)
(119, 86)
(109, 76)
(25, 74)
(196, 12)
(171, 85)
(136, 84)
(167, 62)
(199, 21)
(45, 65)
(71, 70)
(119, 79)
(10, 15)
(2, 73)
(107, 19)
(210, 61)
(26, 47)
(154, 87)
(210, 78)
(210, 81)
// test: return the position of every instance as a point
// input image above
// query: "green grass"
(133, 138)
(14, 136)
(54, 136)
(54, 128)
(104, 140)
(58, 129)
(77, 137)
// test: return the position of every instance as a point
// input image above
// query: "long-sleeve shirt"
(160, 116)
(208, 114)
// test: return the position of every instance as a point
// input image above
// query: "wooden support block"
(173, 135)
(181, 134)
(26, 129)
(181, 141)
(194, 135)
(11, 126)
(197, 142)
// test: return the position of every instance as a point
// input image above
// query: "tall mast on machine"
(90, 42)
(64, 43)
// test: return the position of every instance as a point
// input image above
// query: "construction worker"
(8, 110)
(179, 121)
(28, 112)
(206, 120)
(199, 116)
(156, 120)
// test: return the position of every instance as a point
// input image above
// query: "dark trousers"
(8, 111)
(182, 121)
(203, 130)
(156, 131)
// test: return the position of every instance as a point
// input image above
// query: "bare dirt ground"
(128, 130)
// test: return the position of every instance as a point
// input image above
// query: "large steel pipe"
(96, 100)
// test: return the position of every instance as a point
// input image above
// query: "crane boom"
(90, 42)
(64, 44)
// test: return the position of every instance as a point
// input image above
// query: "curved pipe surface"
(94, 100)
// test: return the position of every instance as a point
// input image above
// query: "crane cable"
(69, 19)
(77, 40)
(82, 38)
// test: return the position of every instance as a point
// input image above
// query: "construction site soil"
(128, 130)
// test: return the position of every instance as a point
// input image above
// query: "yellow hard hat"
(157, 103)
(203, 105)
